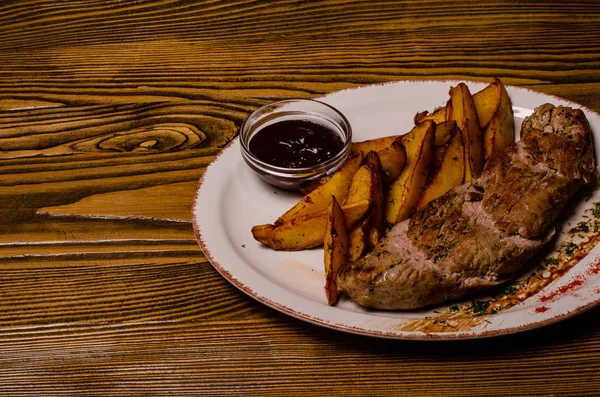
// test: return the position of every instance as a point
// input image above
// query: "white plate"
(231, 199)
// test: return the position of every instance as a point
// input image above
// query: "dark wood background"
(111, 110)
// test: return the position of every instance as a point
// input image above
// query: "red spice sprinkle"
(578, 282)
(541, 309)
(594, 269)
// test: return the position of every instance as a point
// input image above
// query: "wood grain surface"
(111, 110)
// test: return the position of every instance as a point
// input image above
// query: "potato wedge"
(308, 231)
(404, 193)
(376, 215)
(312, 185)
(443, 133)
(360, 186)
(438, 116)
(375, 145)
(487, 101)
(367, 184)
(465, 115)
(262, 233)
(359, 236)
(451, 172)
(393, 160)
(336, 249)
(320, 198)
(500, 131)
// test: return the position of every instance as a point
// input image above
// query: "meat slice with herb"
(479, 234)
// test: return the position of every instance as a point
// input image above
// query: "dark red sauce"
(295, 144)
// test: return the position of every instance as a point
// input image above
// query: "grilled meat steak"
(479, 234)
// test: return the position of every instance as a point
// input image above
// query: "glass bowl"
(295, 109)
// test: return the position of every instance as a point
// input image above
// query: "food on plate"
(359, 240)
(480, 233)
(450, 173)
(499, 127)
(464, 113)
(262, 232)
(367, 184)
(404, 192)
(336, 249)
(393, 160)
(438, 116)
(443, 133)
(374, 145)
(307, 231)
(391, 155)
(376, 214)
(319, 199)
(386, 179)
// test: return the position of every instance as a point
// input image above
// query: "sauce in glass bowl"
(293, 142)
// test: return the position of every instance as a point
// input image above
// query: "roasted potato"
(336, 249)
(376, 213)
(358, 239)
(308, 231)
(312, 185)
(500, 130)
(320, 198)
(404, 193)
(438, 116)
(367, 184)
(465, 115)
(360, 186)
(450, 173)
(487, 101)
(262, 233)
(393, 160)
(375, 145)
(443, 133)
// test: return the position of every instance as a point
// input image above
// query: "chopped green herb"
(570, 249)
(479, 308)
(510, 290)
(582, 227)
(551, 262)
(454, 308)
(596, 210)
(243, 245)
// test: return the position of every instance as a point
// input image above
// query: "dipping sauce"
(295, 144)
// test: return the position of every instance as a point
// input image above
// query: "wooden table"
(110, 112)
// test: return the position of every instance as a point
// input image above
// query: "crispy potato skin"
(465, 115)
(336, 249)
(500, 130)
(375, 145)
(307, 231)
(393, 161)
(376, 213)
(358, 239)
(320, 198)
(262, 233)
(404, 193)
(438, 116)
(451, 172)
